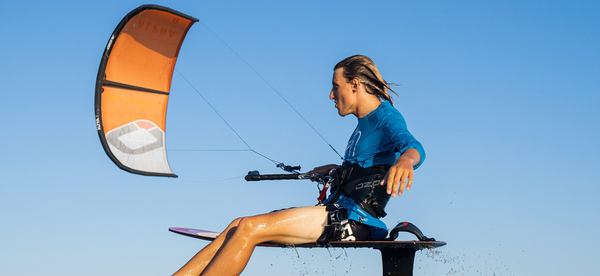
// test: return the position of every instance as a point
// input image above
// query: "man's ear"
(355, 84)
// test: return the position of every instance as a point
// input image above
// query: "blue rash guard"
(380, 138)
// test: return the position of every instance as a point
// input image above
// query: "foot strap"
(406, 226)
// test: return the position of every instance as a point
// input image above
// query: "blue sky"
(503, 95)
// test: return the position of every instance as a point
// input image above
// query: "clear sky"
(504, 96)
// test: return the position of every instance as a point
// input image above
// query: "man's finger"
(390, 179)
(403, 182)
(411, 175)
(397, 179)
(384, 180)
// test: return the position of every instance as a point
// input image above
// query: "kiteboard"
(412, 244)
(397, 256)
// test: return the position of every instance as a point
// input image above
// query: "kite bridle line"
(260, 76)
(281, 165)
(292, 169)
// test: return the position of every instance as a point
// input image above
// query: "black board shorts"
(340, 228)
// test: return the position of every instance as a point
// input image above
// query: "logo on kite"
(141, 145)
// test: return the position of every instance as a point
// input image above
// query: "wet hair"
(365, 70)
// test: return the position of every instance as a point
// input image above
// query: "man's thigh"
(290, 226)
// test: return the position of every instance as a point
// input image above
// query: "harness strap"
(363, 186)
(323, 193)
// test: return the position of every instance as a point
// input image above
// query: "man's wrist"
(412, 161)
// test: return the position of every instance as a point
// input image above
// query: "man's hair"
(364, 69)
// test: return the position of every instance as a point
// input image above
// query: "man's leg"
(197, 263)
(289, 226)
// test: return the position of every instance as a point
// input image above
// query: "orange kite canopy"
(133, 86)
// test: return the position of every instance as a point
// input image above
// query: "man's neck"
(367, 105)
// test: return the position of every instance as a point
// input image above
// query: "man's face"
(341, 93)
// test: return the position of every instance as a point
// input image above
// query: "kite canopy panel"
(133, 86)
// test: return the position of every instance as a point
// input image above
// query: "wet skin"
(229, 253)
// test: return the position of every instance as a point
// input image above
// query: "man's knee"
(249, 226)
(232, 227)
(235, 222)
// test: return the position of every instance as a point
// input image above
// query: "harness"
(361, 185)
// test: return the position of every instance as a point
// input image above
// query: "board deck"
(414, 244)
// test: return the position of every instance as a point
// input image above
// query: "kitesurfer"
(379, 163)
